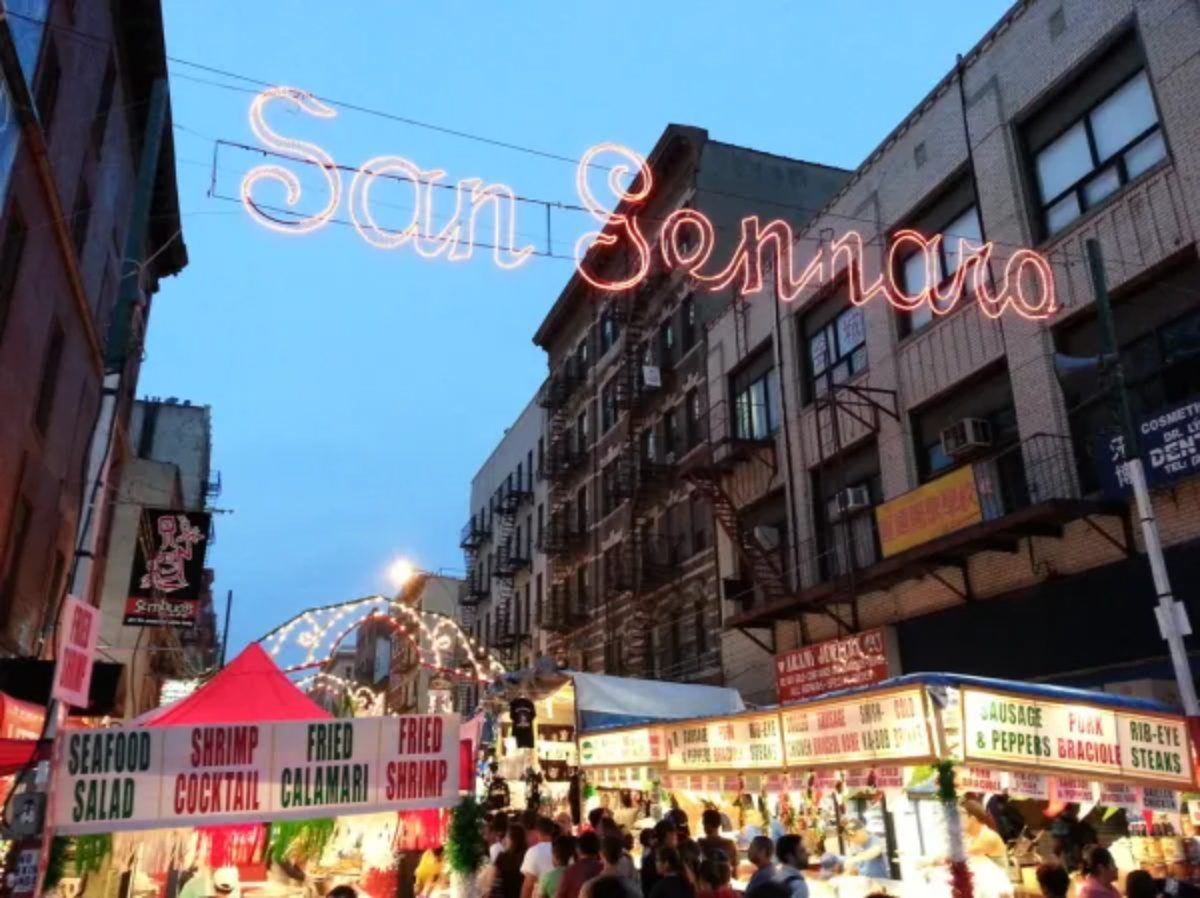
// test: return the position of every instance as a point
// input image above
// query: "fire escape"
(509, 627)
(562, 536)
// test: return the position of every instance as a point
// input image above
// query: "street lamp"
(400, 572)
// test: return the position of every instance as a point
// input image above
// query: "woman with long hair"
(507, 878)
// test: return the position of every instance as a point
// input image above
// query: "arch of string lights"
(308, 640)
(364, 699)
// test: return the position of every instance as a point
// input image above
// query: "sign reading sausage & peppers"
(137, 778)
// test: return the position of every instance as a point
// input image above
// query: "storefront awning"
(603, 702)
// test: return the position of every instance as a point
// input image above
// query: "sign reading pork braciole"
(1102, 743)
(138, 778)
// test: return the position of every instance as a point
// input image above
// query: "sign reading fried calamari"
(140, 778)
(629, 244)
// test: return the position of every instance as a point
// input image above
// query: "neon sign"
(684, 240)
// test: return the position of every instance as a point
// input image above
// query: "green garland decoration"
(945, 781)
(91, 852)
(299, 839)
(56, 864)
(465, 847)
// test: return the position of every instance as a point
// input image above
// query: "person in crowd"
(539, 859)
(342, 891)
(1099, 873)
(1053, 880)
(429, 871)
(612, 852)
(494, 834)
(982, 840)
(793, 858)
(1071, 835)
(1008, 820)
(759, 854)
(662, 836)
(713, 841)
(507, 879)
(770, 888)
(716, 877)
(1140, 884)
(672, 877)
(609, 887)
(566, 826)
(680, 818)
(595, 815)
(830, 866)
(689, 853)
(610, 829)
(868, 853)
(587, 866)
(563, 850)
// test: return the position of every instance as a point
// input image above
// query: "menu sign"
(640, 746)
(857, 660)
(1023, 730)
(889, 726)
(137, 778)
(737, 743)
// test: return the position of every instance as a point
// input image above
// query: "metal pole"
(225, 629)
(1172, 616)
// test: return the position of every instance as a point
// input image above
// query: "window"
(539, 599)
(582, 586)
(755, 397)
(581, 431)
(581, 509)
(608, 487)
(688, 317)
(51, 363)
(666, 343)
(701, 518)
(529, 470)
(10, 261)
(965, 227)
(701, 628)
(18, 533)
(692, 418)
(836, 347)
(529, 536)
(989, 398)
(541, 525)
(541, 455)
(525, 617)
(671, 432)
(649, 445)
(81, 215)
(609, 332)
(46, 94)
(520, 476)
(1099, 134)
(581, 355)
(608, 406)
(104, 107)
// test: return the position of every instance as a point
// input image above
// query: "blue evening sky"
(355, 392)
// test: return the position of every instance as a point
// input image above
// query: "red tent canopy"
(250, 689)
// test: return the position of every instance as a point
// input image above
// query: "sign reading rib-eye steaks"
(168, 569)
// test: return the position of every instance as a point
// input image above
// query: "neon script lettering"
(685, 239)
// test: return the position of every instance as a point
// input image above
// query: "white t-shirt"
(494, 851)
(539, 860)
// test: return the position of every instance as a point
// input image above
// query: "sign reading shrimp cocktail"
(138, 778)
(1025, 731)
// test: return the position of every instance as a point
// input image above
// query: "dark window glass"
(51, 363)
(10, 261)
(688, 331)
(964, 228)
(671, 431)
(836, 352)
(46, 95)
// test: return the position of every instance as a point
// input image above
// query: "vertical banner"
(167, 578)
(78, 630)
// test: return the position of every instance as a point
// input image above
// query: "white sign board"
(735, 743)
(141, 778)
(78, 629)
(882, 726)
(641, 746)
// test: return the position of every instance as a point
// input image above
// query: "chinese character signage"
(886, 726)
(79, 627)
(935, 509)
(1170, 444)
(736, 743)
(168, 569)
(857, 660)
(131, 778)
(1077, 739)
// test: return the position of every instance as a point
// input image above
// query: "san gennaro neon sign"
(683, 241)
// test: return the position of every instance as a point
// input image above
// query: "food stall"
(247, 783)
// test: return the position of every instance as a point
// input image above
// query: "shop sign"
(887, 726)
(1028, 785)
(1022, 730)
(1165, 800)
(1074, 790)
(878, 778)
(79, 628)
(732, 785)
(167, 578)
(736, 743)
(132, 778)
(978, 779)
(812, 670)
(1170, 446)
(1119, 795)
(640, 746)
(775, 783)
(939, 507)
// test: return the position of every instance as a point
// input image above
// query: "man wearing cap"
(867, 852)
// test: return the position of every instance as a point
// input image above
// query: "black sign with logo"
(522, 713)
(167, 579)
(1170, 449)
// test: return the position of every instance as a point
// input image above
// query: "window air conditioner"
(966, 436)
(848, 501)
(652, 377)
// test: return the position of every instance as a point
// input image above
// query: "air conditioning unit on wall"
(966, 436)
(848, 501)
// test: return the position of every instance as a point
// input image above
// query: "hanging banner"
(1079, 739)
(167, 579)
(640, 746)
(939, 507)
(1162, 800)
(736, 743)
(1075, 790)
(857, 660)
(79, 628)
(131, 778)
(979, 779)
(885, 726)
(1028, 785)
(1120, 795)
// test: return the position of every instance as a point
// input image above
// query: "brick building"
(1071, 120)
(80, 96)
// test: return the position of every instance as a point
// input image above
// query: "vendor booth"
(249, 788)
